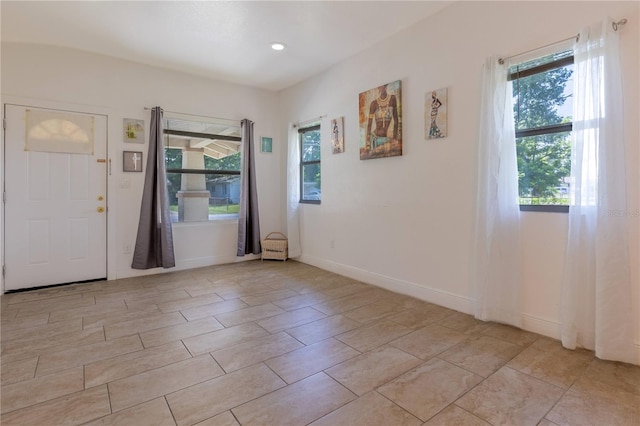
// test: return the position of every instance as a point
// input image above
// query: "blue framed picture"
(267, 144)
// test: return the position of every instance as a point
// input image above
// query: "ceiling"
(222, 40)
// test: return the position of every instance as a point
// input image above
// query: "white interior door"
(55, 205)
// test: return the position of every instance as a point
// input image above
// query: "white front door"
(55, 205)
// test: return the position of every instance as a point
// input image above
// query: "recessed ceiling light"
(277, 46)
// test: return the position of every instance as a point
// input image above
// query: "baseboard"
(541, 326)
(212, 260)
(431, 295)
(182, 265)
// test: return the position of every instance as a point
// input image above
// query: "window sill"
(544, 208)
(310, 202)
(231, 219)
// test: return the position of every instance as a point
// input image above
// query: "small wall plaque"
(131, 161)
(133, 130)
(267, 144)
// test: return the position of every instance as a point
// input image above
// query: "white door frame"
(111, 192)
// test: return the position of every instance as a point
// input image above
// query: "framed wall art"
(435, 114)
(131, 161)
(337, 135)
(381, 121)
(133, 130)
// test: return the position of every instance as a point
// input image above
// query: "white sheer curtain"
(596, 310)
(496, 272)
(497, 240)
(293, 193)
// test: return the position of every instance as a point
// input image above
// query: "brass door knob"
(100, 209)
(100, 198)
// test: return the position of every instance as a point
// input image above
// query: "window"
(203, 169)
(542, 97)
(310, 189)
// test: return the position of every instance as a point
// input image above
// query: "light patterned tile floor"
(275, 343)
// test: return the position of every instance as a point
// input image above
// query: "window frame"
(301, 131)
(182, 171)
(543, 130)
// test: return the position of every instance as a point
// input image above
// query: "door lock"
(100, 209)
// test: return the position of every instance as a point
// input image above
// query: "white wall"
(54, 77)
(405, 223)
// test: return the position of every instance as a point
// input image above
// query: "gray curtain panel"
(154, 243)
(248, 222)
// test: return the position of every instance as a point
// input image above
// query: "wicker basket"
(275, 246)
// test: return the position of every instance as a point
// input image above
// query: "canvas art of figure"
(435, 114)
(337, 135)
(380, 121)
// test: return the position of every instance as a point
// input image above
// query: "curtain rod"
(575, 37)
(614, 25)
(311, 120)
(195, 115)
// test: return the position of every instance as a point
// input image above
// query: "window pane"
(544, 165)
(230, 162)
(311, 182)
(540, 61)
(220, 196)
(543, 99)
(310, 145)
(173, 158)
(194, 144)
(201, 145)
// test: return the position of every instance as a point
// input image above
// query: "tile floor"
(272, 343)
